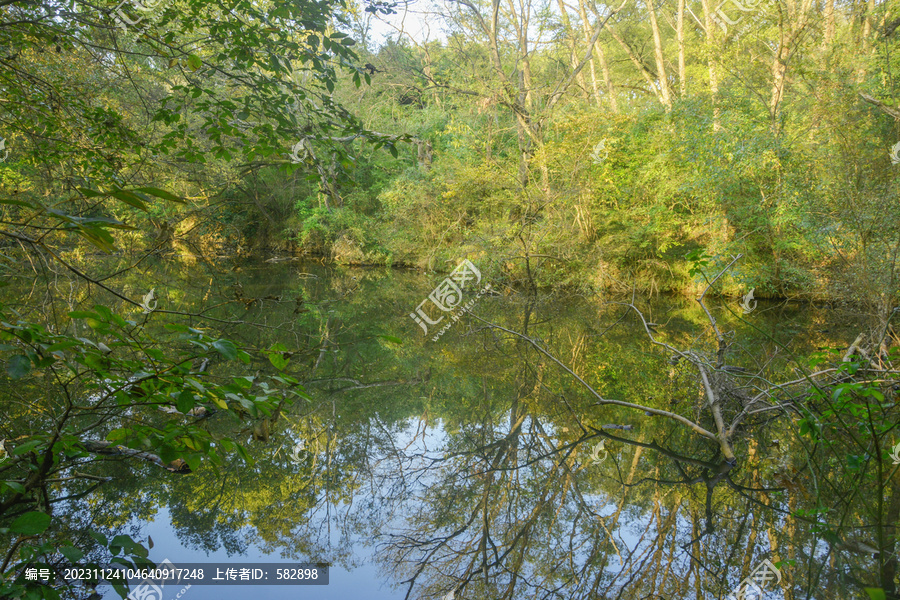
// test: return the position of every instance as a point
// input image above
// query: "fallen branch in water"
(723, 435)
(108, 449)
(716, 411)
(655, 411)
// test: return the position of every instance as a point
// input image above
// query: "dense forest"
(216, 220)
(581, 145)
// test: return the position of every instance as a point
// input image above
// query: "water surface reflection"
(473, 464)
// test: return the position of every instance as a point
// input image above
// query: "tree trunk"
(586, 32)
(607, 79)
(573, 54)
(790, 31)
(601, 55)
(679, 34)
(712, 49)
(660, 61)
(829, 23)
(645, 72)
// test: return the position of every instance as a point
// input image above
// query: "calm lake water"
(474, 463)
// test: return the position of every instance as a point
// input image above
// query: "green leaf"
(876, 593)
(391, 338)
(804, 427)
(118, 543)
(26, 447)
(245, 382)
(250, 406)
(129, 199)
(195, 384)
(161, 194)
(101, 539)
(856, 461)
(18, 366)
(226, 349)
(242, 452)
(16, 202)
(118, 435)
(31, 523)
(49, 593)
(14, 486)
(873, 393)
(72, 553)
(89, 193)
(120, 588)
(103, 311)
(167, 453)
(278, 357)
(83, 314)
(194, 62)
(185, 401)
(58, 346)
(278, 361)
(193, 461)
(99, 238)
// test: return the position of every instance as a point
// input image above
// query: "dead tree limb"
(716, 412)
(108, 449)
(720, 355)
(881, 105)
(855, 347)
(655, 411)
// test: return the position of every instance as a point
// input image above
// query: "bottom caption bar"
(170, 574)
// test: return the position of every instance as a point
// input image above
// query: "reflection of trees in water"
(514, 509)
(518, 513)
(502, 500)
(521, 515)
